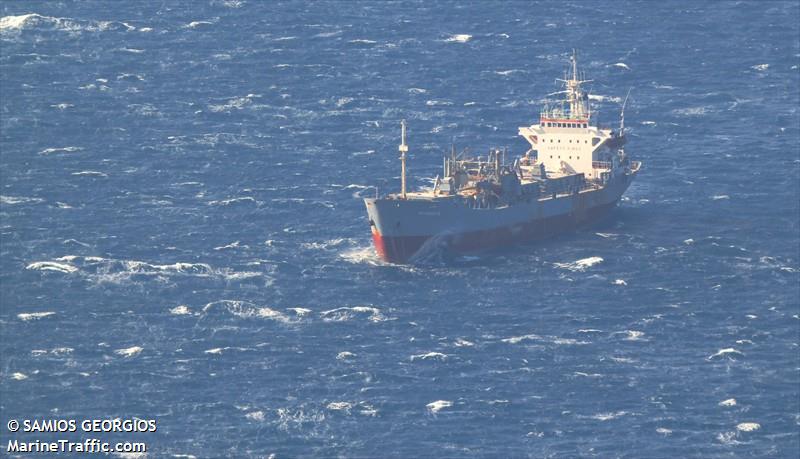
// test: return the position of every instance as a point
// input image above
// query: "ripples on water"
(183, 236)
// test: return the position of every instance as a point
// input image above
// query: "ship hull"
(401, 249)
(402, 229)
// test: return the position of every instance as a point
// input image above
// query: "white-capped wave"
(607, 235)
(236, 103)
(232, 245)
(227, 202)
(344, 355)
(458, 38)
(344, 314)
(340, 406)
(760, 67)
(545, 339)
(26, 316)
(620, 282)
(429, 355)
(16, 22)
(717, 197)
(579, 265)
(506, 72)
(129, 352)
(247, 310)
(729, 352)
(89, 174)
(10, 24)
(601, 98)
(115, 271)
(608, 416)
(329, 244)
(663, 431)
(728, 402)
(748, 426)
(461, 342)
(196, 24)
(434, 103)
(519, 339)
(691, 111)
(181, 310)
(19, 376)
(58, 351)
(633, 335)
(438, 405)
(12, 200)
(52, 266)
(52, 150)
(622, 65)
(257, 416)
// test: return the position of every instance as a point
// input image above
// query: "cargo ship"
(573, 174)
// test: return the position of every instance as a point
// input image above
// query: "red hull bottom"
(401, 249)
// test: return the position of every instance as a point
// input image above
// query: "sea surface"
(183, 235)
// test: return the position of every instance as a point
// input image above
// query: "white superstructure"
(566, 140)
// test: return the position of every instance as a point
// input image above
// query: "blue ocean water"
(183, 236)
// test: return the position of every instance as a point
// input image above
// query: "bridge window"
(584, 125)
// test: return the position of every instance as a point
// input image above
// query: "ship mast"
(575, 97)
(403, 150)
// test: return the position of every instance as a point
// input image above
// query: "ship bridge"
(565, 139)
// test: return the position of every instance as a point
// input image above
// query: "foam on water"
(579, 265)
(345, 314)
(257, 416)
(181, 310)
(727, 352)
(51, 150)
(129, 352)
(438, 405)
(429, 355)
(748, 426)
(52, 266)
(189, 185)
(459, 38)
(26, 316)
(340, 406)
(12, 200)
(608, 416)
